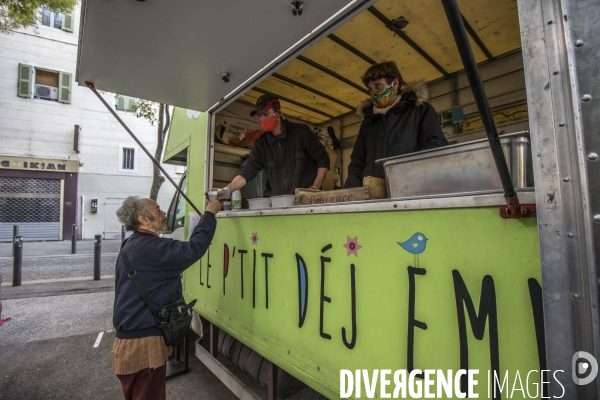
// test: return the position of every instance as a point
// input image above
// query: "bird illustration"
(415, 245)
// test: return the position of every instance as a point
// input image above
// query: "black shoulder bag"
(173, 319)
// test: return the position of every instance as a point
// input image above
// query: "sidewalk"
(41, 269)
(58, 248)
(49, 268)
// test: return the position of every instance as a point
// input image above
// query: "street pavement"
(57, 314)
(45, 262)
(47, 249)
(45, 269)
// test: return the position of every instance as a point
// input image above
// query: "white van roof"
(176, 52)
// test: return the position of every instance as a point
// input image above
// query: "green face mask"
(384, 98)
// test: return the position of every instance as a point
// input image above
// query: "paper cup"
(212, 195)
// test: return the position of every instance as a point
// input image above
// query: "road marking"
(98, 340)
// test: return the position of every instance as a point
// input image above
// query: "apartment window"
(44, 84)
(125, 103)
(56, 19)
(127, 158)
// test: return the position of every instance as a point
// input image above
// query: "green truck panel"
(284, 285)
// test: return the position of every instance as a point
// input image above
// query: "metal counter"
(493, 198)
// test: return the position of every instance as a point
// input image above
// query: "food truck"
(475, 275)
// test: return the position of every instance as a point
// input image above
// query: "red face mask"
(270, 123)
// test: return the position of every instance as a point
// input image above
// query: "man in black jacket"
(139, 351)
(397, 120)
(290, 153)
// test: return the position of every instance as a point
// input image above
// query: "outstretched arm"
(251, 167)
(236, 184)
(178, 255)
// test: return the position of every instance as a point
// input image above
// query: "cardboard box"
(311, 196)
(377, 187)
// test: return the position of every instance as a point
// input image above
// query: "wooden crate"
(311, 196)
(377, 187)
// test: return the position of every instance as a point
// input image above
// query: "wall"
(43, 128)
(102, 187)
(504, 83)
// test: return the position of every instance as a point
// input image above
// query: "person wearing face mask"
(396, 120)
(291, 153)
(139, 351)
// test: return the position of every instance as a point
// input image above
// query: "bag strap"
(132, 274)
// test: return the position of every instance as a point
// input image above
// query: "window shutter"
(131, 103)
(67, 22)
(64, 88)
(120, 102)
(25, 80)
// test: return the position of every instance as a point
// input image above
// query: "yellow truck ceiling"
(426, 50)
(176, 52)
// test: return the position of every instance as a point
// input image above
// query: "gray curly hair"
(129, 211)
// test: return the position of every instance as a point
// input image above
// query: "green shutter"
(25, 80)
(64, 88)
(120, 102)
(67, 22)
(131, 103)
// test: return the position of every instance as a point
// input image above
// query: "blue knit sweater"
(159, 263)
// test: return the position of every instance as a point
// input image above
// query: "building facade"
(64, 159)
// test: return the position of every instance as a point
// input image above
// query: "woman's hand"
(214, 207)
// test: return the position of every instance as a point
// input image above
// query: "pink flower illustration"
(254, 238)
(352, 246)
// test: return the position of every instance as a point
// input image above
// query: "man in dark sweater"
(291, 154)
(139, 351)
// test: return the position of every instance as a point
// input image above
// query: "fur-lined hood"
(419, 88)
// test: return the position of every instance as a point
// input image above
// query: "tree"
(15, 14)
(154, 112)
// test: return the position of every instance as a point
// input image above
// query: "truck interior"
(321, 86)
(313, 66)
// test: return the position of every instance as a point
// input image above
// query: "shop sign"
(38, 164)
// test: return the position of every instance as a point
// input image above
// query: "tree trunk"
(164, 120)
